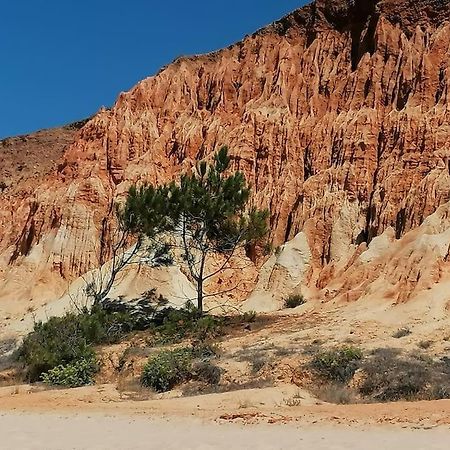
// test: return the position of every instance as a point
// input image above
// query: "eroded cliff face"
(338, 114)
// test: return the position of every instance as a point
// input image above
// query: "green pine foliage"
(207, 210)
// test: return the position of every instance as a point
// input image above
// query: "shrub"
(60, 341)
(391, 376)
(64, 340)
(294, 300)
(204, 351)
(424, 345)
(167, 369)
(174, 325)
(337, 365)
(248, 316)
(402, 332)
(257, 364)
(207, 372)
(76, 374)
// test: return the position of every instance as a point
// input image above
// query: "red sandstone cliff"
(338, 114)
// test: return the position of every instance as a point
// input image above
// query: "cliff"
(338, 114)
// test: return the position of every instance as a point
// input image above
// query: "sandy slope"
(26, 431)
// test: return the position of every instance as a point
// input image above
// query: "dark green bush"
(170, 368)
(294, 300)
(174, 325)
(59, 341)
(67, 339)
(76, 374)
(167, 369)
(337, 365)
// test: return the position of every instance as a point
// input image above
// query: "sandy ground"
(26, 431)
(250, 406)
(102, 417)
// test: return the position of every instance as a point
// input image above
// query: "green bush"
(337, 365)
(64, 340)
(167, 369)
(76, 374)
(60, 341)
(170, 368)
(294, 300)
(179, 324)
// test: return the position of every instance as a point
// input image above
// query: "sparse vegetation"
(174, 325)
(207, 372)
(386, 375)
(391, 376)
(257, 364)
(257, 358)
(295, 400)
(62, 341)
(57, 346)
(281, 352)
(293, 301)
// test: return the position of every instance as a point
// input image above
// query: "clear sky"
(61, 60)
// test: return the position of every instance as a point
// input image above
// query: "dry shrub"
(402, 332)
(337, 393)
(391, 376)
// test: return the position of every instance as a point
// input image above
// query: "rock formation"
(338, 114)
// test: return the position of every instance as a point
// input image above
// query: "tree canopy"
(206, 212)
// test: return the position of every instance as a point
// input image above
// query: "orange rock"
(338, 115)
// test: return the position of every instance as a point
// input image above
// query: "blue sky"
(61, 60)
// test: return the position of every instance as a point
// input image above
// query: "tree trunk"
(200, 297)
(200, 285)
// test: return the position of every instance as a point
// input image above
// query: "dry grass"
(337, 394)
(193, 389)
(295, 400)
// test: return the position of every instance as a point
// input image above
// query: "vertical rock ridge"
(338, 115)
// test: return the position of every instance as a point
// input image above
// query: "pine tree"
(204, 213)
